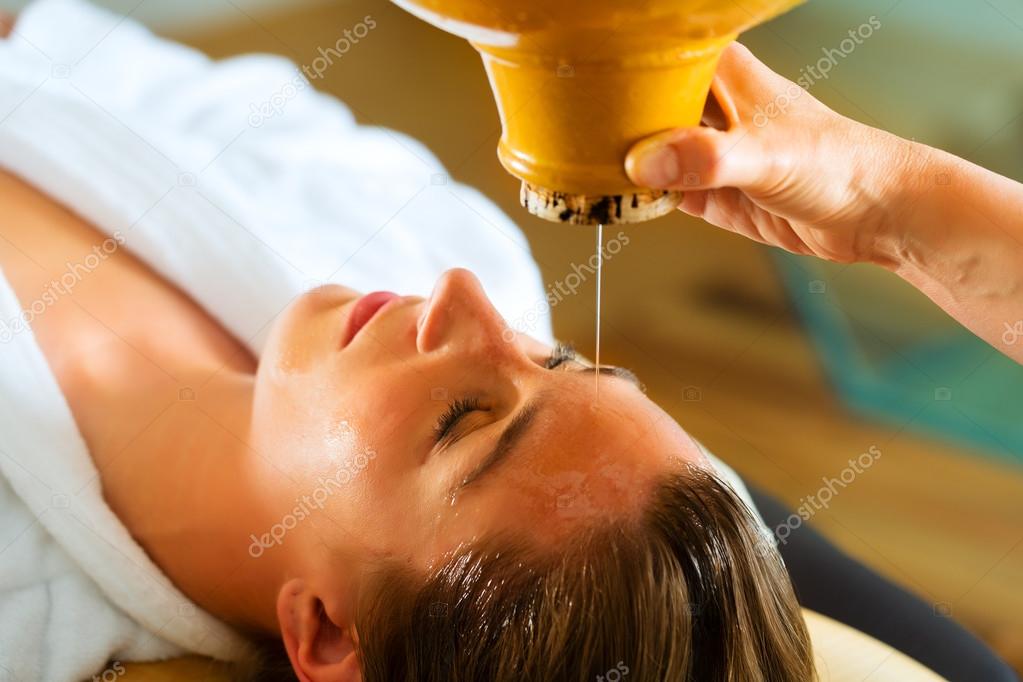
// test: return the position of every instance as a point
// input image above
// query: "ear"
(319, 648)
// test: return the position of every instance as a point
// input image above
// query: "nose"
(459, 312)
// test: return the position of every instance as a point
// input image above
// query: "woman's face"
(432, 424)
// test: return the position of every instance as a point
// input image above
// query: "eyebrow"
(519, 426)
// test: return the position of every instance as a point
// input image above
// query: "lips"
(363, 311)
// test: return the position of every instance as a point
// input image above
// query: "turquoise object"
(893, 356)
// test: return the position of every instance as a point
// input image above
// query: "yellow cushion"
(842, 655)
(846, 655)
(178, 669)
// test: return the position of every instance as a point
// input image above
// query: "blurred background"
(784, 367)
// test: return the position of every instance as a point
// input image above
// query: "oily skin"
(384, 391)
(195, 480)
(579, 463)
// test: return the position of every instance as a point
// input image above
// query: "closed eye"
(454, 413)
(459, 408)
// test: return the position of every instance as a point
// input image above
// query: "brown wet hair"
(690, 591)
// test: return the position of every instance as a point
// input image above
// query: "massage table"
(842, 655)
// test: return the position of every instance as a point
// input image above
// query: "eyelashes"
(460, 407)
(563, 352)
(453, 414)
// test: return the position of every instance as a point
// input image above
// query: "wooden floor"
(701, 317)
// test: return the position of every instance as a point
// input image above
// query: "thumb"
(698, 158)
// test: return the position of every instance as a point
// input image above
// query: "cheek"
(286, 406)
(391, 510)
(397, 411)
(303, 423)
(306, 334)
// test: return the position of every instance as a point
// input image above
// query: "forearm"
(814, 182)
(956, 233)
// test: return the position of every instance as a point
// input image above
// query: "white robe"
(243, 208)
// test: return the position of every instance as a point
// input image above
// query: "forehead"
(577, 424)
(584, 459)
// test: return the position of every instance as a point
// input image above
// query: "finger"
(733, 211)
(699, 158)
(694, 203)
(713, 114)
(747, 78)
(717, 207)
(720, 111)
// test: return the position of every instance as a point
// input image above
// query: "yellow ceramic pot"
(578, 82)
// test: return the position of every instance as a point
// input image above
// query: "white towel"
(152, 142)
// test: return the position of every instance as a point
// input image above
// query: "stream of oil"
(600, 272)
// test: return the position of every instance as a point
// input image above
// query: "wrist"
(910, 174)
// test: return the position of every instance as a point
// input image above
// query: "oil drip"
(600, 272)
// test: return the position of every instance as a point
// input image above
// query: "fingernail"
(657, 166)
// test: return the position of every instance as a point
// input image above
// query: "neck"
(161, 394)
(192, 498)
